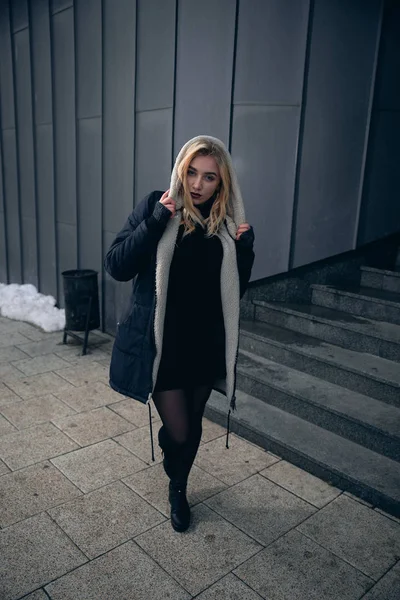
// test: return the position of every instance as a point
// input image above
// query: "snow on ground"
(24, 303)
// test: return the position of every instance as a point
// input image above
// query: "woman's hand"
(241, 229)
(168, 203)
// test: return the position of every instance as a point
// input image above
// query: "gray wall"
(97, 97)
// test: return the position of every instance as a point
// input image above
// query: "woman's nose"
(197, 183)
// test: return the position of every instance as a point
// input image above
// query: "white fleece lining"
(230, 288)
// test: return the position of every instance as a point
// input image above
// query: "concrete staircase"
(319, 385)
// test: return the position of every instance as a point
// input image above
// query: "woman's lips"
(195, 196)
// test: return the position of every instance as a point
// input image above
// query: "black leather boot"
(180, 511)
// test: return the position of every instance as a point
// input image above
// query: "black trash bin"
(81, 296)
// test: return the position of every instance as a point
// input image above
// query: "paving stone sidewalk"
(84, 511)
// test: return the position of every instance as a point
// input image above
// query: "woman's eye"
(210, 178)
(190, 172)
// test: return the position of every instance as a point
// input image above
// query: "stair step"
(364, 373)
(360, 418)
(350, 331)
(341, 462)
(365, 302)
(381, 279)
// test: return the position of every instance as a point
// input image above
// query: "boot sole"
(179, 529)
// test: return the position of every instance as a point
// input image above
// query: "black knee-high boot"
(175, 468)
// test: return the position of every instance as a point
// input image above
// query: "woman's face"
(203, 178)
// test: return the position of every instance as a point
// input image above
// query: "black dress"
(193, 350)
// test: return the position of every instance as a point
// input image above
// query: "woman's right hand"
(168, 203)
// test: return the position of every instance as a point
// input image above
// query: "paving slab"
(234, 464)
(138, 442)
(73, 355)
(34, 489)
(94, 466)
(7, 396)
(136, 412)
(229, 588)
(302, 484)
(38, 385)
(34, 552)
(93, 426)
(38, 409)
(33, 445)
(89, 396)
(105, 518)
(10, 353)
(387, 588)
(211, 431)
(296, 568)
(8, 372)
(260, 508)
(12, 339)
(152, 484)
(6, 426)
(38, 595)
(385, 514)
(3, 468)
(211, 544)
(81, 375)
(123, 573)
(48, 345)
(40, 364)
(367, 540)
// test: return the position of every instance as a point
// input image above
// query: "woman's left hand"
(241, 229)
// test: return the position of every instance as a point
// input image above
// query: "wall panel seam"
(38, 273)
(300, 133)
(77, 198)
(368, 126)
(21, 253)
(235, 36)
(56, 240)
(174, 85)
(4, 207)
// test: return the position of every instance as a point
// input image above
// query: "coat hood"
(235, 197)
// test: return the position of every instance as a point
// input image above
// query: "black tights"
(181, 412)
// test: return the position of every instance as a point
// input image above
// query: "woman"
(190, 252)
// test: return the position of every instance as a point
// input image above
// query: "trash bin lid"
(78, 273)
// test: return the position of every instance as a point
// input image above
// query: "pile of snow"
(24, 303)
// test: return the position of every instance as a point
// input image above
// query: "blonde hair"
(221, 206)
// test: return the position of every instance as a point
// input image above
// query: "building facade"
(98, 96)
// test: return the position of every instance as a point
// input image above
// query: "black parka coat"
(132, 256)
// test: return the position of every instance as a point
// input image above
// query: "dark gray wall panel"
(205, 48)
(3, 244)
(20, 19)
(338, 93)
(155, 54)
(57, 5)
(6, 69)
(264, 154)
(380, 215)
(29, 250)
(12, 206)
(41, 61)
(271, 46)
(23, 93)
(388, 83)
(153, 151)
(88, 58)
(3, 250)
(89, 194)
(118, 111)
(64, 113)
(46, 215)
(66, 252)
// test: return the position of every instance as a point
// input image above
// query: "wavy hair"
(221, 206)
